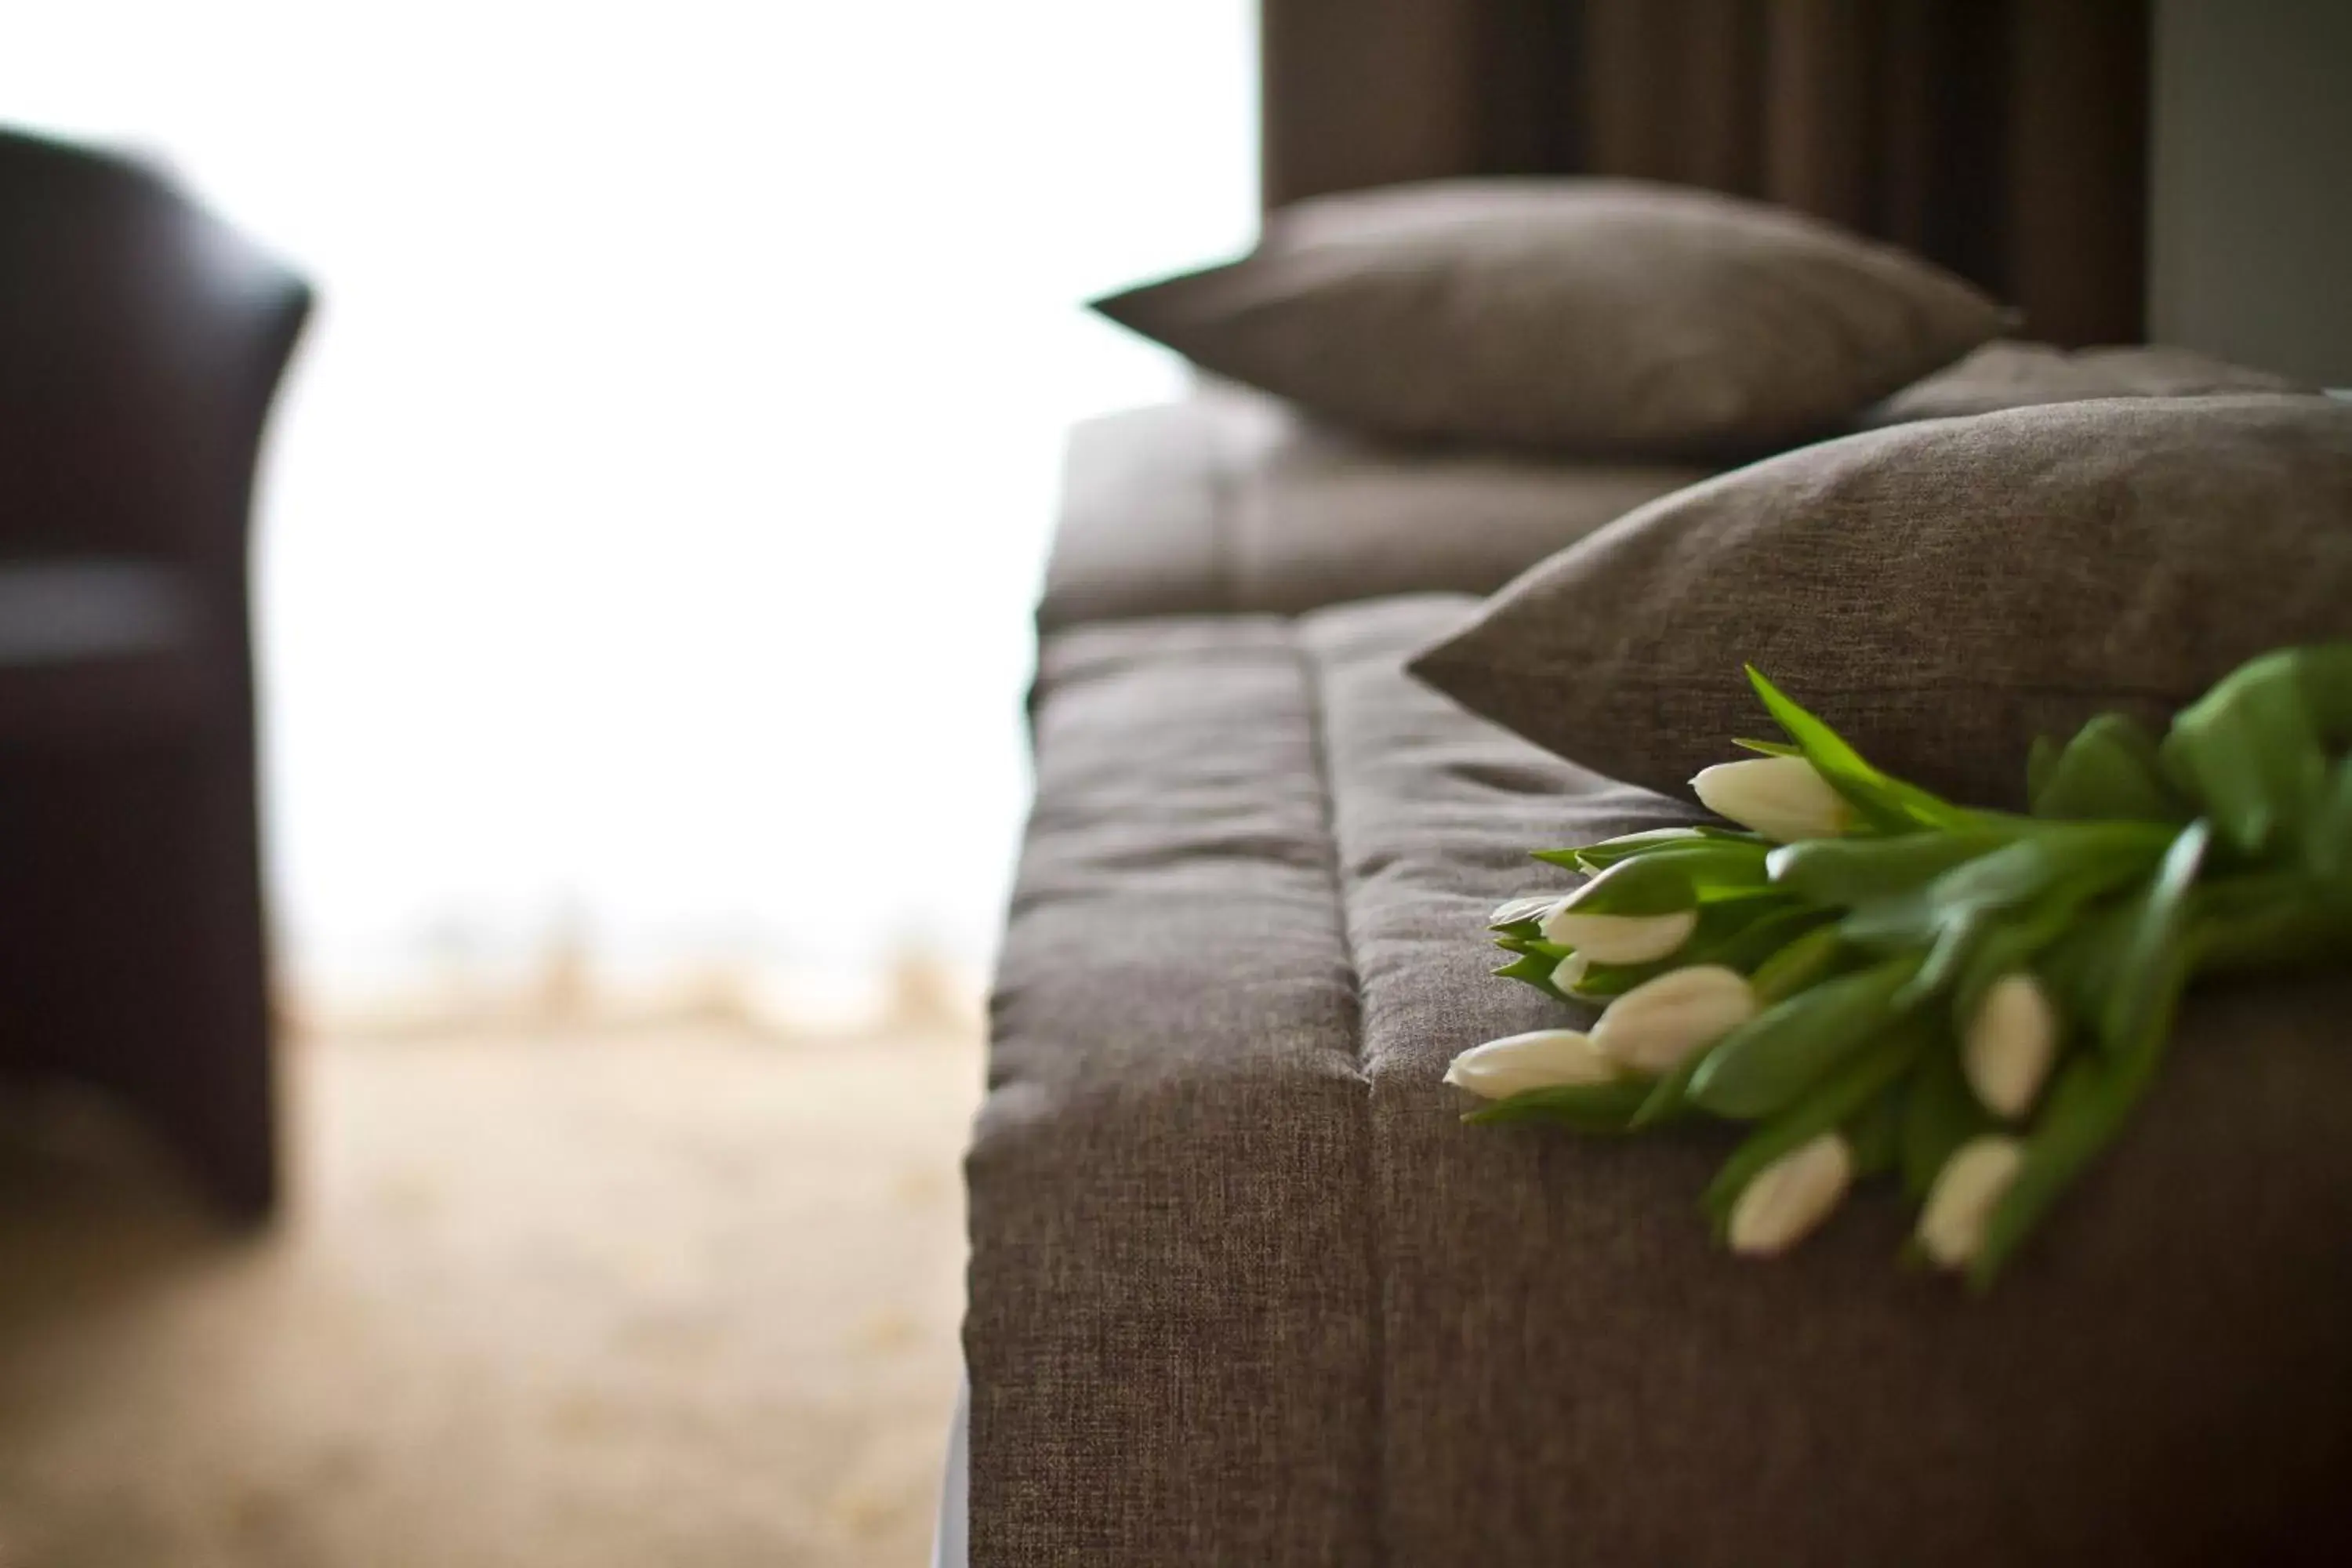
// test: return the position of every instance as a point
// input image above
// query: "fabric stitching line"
(1310, 670)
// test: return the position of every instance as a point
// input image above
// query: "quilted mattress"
(1244, 1291)
(1232, 502)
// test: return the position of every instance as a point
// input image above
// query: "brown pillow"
(1592, 316)
(1941, 592)
(2016, 375)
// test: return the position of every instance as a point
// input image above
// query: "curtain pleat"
(2005, 139)
(1372, 92)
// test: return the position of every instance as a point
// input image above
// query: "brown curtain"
(2006, 139)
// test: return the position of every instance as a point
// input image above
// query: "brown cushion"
(1594, 316)
(1942, 592)
(2016, 375)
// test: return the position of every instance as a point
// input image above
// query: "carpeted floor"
(669, 1301)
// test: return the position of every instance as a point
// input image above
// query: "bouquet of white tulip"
(1877, 979)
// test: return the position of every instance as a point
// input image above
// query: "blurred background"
(646, 531)
(669, 463)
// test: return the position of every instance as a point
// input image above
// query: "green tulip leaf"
(1672, 877)
(1875, 1136)
(2080, 967)
(1768, 1062)
(2040, 763)
(1749, 947)
(2076, 855)
(1606, 981)
(1956, 944)
(2013, 945)
(1850, 871)
(1647, 885)
(1886, 801)
(2086, 1108)
(1535, 971)
(2249, 753)
(1524, 916)
(1738, 934)
(2095, 1097)
(1609, 851)
(1940, 1113)
(2155, 946)
(1840, 1096)
(1724, 868)
(1603, 1108)
(2268, 922)
(2327, 845)
(1669, 1096)
(2113, 771)
(1800, 963)
(2323, 671)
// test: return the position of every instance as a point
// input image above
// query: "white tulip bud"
(2011, 1045)
(1966, 1190)
(1569, 973)
(1543, 1059)
(1533, 907)
(1783, 798)
(1791, 1197)
(1621, 938)
(1655, 1026)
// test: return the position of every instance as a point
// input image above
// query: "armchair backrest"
(140, 342)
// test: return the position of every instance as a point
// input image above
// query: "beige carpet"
(677, 1301)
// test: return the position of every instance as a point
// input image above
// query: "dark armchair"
(141, 344)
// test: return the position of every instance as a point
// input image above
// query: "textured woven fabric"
(2008, 374)
(1244, 1291)
(1599, 316)
(1231, 501)
(1173, 1311)
(1941, 592)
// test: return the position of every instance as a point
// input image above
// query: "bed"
(1243, 1289)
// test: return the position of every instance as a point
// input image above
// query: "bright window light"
(651, 520)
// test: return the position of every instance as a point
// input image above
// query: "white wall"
(2251, 242)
